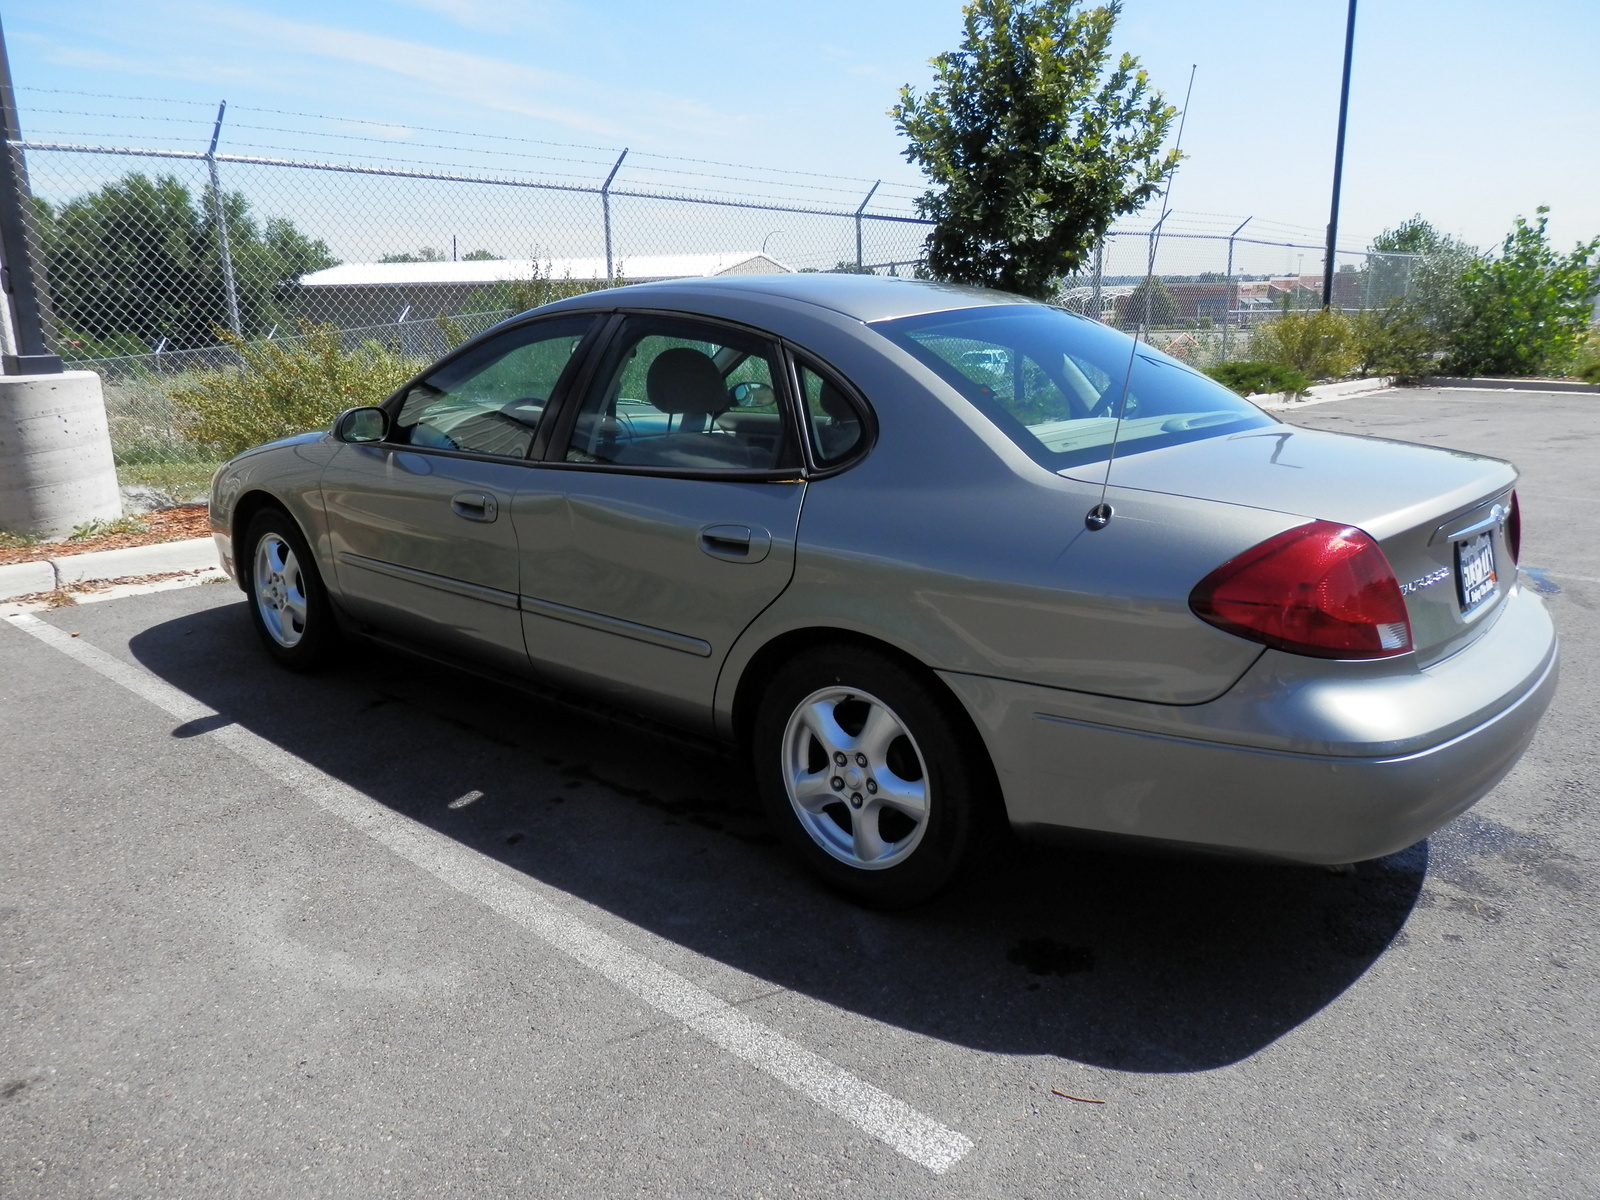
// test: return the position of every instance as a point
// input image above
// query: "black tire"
(291, 613)
(920, 857)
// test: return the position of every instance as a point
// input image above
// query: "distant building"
(355, 295)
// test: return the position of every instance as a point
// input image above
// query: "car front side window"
(491, 399)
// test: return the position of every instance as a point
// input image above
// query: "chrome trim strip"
(1496, 516)
(664, 638)
(442, 583)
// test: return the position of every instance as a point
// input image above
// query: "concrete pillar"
(56, 469)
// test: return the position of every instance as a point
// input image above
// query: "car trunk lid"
(1438, 514)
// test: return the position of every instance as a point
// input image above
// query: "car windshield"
(1051, 382)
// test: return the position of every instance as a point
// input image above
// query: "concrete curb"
(1512, 385)
(164, 558)
(1322, 393)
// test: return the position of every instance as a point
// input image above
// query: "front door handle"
(474, 506)
(736, 543)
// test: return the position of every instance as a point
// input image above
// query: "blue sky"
(1469, 112)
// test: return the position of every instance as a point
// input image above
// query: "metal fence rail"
(159, 261)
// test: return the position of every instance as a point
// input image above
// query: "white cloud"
(489, 16)
(473, 78)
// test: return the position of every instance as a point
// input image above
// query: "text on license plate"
(1475, 577)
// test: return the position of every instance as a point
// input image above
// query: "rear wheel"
(288, 603)
(873, 782)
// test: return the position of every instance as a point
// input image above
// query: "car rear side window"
(490, 399)
(1054, 382)
(679, 395)
(833, 422)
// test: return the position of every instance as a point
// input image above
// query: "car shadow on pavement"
(1116, 960)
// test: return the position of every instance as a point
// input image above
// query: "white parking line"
(875, 1112)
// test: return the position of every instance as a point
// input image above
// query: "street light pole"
(1338, 158)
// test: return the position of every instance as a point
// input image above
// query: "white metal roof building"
(356, 295)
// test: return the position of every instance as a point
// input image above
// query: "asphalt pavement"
(394, 931)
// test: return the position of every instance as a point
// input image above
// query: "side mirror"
(361, 425)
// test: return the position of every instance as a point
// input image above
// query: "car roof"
(862, 297)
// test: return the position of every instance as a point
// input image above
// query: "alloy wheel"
(279, 591)
(856, 778)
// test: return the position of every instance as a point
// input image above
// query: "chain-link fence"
(159, 264)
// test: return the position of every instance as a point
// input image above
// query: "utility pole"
(1338, 158)
(27, 299)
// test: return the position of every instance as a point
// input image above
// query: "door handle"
(736, 543)
(474, 506)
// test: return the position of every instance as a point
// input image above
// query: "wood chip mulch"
(164, 525)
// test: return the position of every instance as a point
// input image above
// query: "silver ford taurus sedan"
(937, 559)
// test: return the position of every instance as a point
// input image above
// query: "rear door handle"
(474, 506)
(736, 543)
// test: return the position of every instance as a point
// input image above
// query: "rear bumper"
(1342, 803)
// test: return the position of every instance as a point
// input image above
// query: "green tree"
(1526, 309)
(423, 254)
(1416, 264)
(1151, 304)
(138, 261)
(1033, 143)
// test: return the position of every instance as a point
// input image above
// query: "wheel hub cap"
(856, 778)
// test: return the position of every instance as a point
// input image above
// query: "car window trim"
(562, 426)
(582, 353)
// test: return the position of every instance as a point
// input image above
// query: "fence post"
(1150, 278)
(1231, 293)
(224, 250)
(860, 258)
(1099, 275)
(605, 211)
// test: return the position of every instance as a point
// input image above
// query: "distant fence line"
(143, 277)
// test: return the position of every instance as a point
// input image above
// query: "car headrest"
(835, 405)
(685, 380)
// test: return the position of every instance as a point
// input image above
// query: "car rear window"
(1052, 381)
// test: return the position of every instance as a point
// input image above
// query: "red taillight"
(1320, 589)
(1514, 530)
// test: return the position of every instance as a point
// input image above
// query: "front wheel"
(872, 781)
(288, 603)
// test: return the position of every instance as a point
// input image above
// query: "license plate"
(1475, 577)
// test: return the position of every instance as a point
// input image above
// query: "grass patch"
(95, 529)
(18, 541)
(183, 481)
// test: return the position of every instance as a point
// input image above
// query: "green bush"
(1320, 344)
(1528, 308)
(1586, 363)
(1258, 378)
(284, 388)
(1395, 340)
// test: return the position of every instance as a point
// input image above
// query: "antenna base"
(1098, 517)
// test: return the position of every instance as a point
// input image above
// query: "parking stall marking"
(884, 1117)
